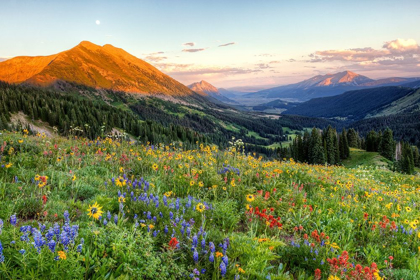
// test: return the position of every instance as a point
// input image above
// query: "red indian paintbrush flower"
(173, 242)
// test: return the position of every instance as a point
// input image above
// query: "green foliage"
(28, 207)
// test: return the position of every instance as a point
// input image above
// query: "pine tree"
(407, 160)
(371, 141)
(416, 156)
(344, 145)
(353, 138)
(387, 147)
(330, 145)
(316, 150)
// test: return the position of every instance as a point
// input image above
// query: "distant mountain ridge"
(326, 85)
(204, 88)
(359, 104)
(94, 66)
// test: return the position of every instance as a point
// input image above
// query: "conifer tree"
(416, 156)
(316, 150)
(353, 138)
(407, 161)
(387, 147)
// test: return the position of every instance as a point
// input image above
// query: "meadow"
(74, 208)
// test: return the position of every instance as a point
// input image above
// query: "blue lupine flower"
(38, 241)
(51, 245)
(196, 272)
(79, 248)
(50, 234)
(22, 251)
(203, 271)
(13, 220)
(195, 256)
(105, 222)
(12, 242)
(222, 269)
(165, 229)
(211, 258)
(66, 216)
(225, 260)
(212, 247)
(177, 204)
(56, 229)
(108, 215)
(195, 241)
(203, 244)
(115, 219)
(64, 239)
(42, 227)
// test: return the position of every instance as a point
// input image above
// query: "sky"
(259, 44)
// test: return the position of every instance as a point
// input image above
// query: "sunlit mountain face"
(94, 66)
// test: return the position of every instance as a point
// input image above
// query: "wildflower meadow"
(74, 208)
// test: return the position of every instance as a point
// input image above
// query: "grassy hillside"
(362, 158)
(105, 209)
(352, 105)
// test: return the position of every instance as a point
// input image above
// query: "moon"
(98, 22)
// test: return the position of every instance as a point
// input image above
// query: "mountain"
(105, 67)
(415, 84)
(204, 88)
(358, 104)
(318, 86)
(327, 85)
(395, 81)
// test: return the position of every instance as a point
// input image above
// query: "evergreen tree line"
(320, 147)
(403, 156)
(91, 118)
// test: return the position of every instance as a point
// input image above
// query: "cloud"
(227, 44)
(191, 44)
(265, 55)
(193, 50)
(155, 58)
(402, 46)
(291, 60)
(263, 66)
(3, 59)
(274, 61)
(182, 70)
(393, 50)
(397, 56)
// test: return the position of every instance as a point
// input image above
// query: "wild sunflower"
(250, 198)
(200, 207)
(121, 199)
(62, 255)
(95, 211)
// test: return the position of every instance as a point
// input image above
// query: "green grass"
(362, 158)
